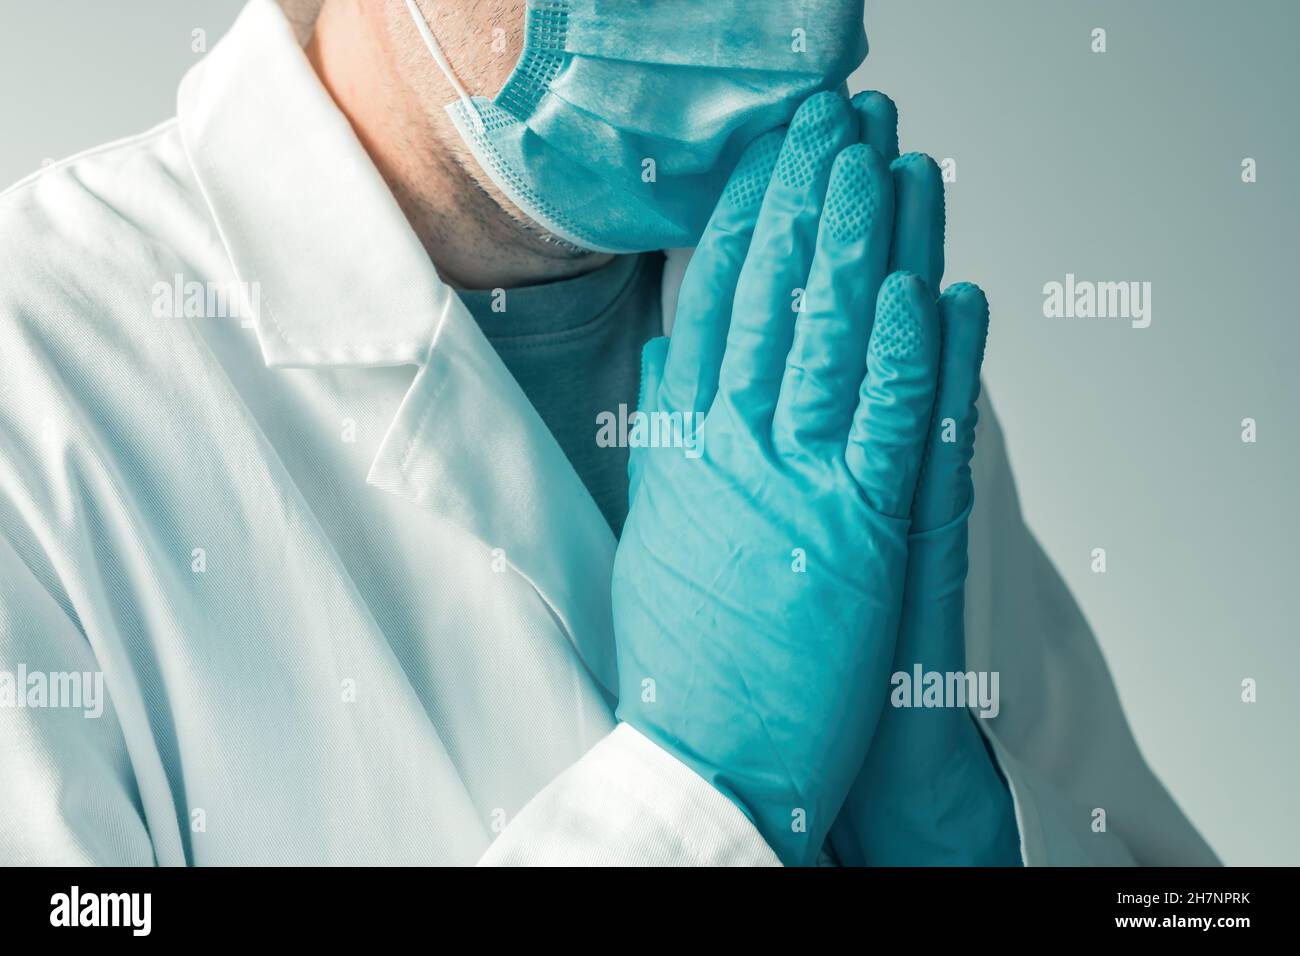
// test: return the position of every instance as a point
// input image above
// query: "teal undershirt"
(574, 347)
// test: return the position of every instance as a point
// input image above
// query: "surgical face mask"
(620, 123)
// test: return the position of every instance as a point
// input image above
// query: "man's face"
(621, 140)
(482, 41)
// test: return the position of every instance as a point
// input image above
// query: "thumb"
(653, 355)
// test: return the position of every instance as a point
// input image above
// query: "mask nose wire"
(422, 25)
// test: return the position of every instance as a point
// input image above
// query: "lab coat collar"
(344, 281)
(305, 217)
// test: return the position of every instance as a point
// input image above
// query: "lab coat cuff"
(628, 802)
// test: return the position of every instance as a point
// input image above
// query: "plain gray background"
(1116, 166)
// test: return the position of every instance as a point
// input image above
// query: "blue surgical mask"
(620, 123)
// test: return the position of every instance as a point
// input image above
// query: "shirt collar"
(342, 278)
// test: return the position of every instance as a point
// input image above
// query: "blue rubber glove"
(759, 579)
(929, 793)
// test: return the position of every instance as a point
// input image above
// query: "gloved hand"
(929, 793)
(758, 582)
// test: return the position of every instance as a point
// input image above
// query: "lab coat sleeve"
(627, 802)
(1060, 738)
(67, 793)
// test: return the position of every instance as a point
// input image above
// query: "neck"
(392, 97)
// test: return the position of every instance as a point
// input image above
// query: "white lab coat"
(350, 601)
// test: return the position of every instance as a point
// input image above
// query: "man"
(298, 452)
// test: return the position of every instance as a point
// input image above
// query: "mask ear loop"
(422, 25)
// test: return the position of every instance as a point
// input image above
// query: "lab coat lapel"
(468, 446)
